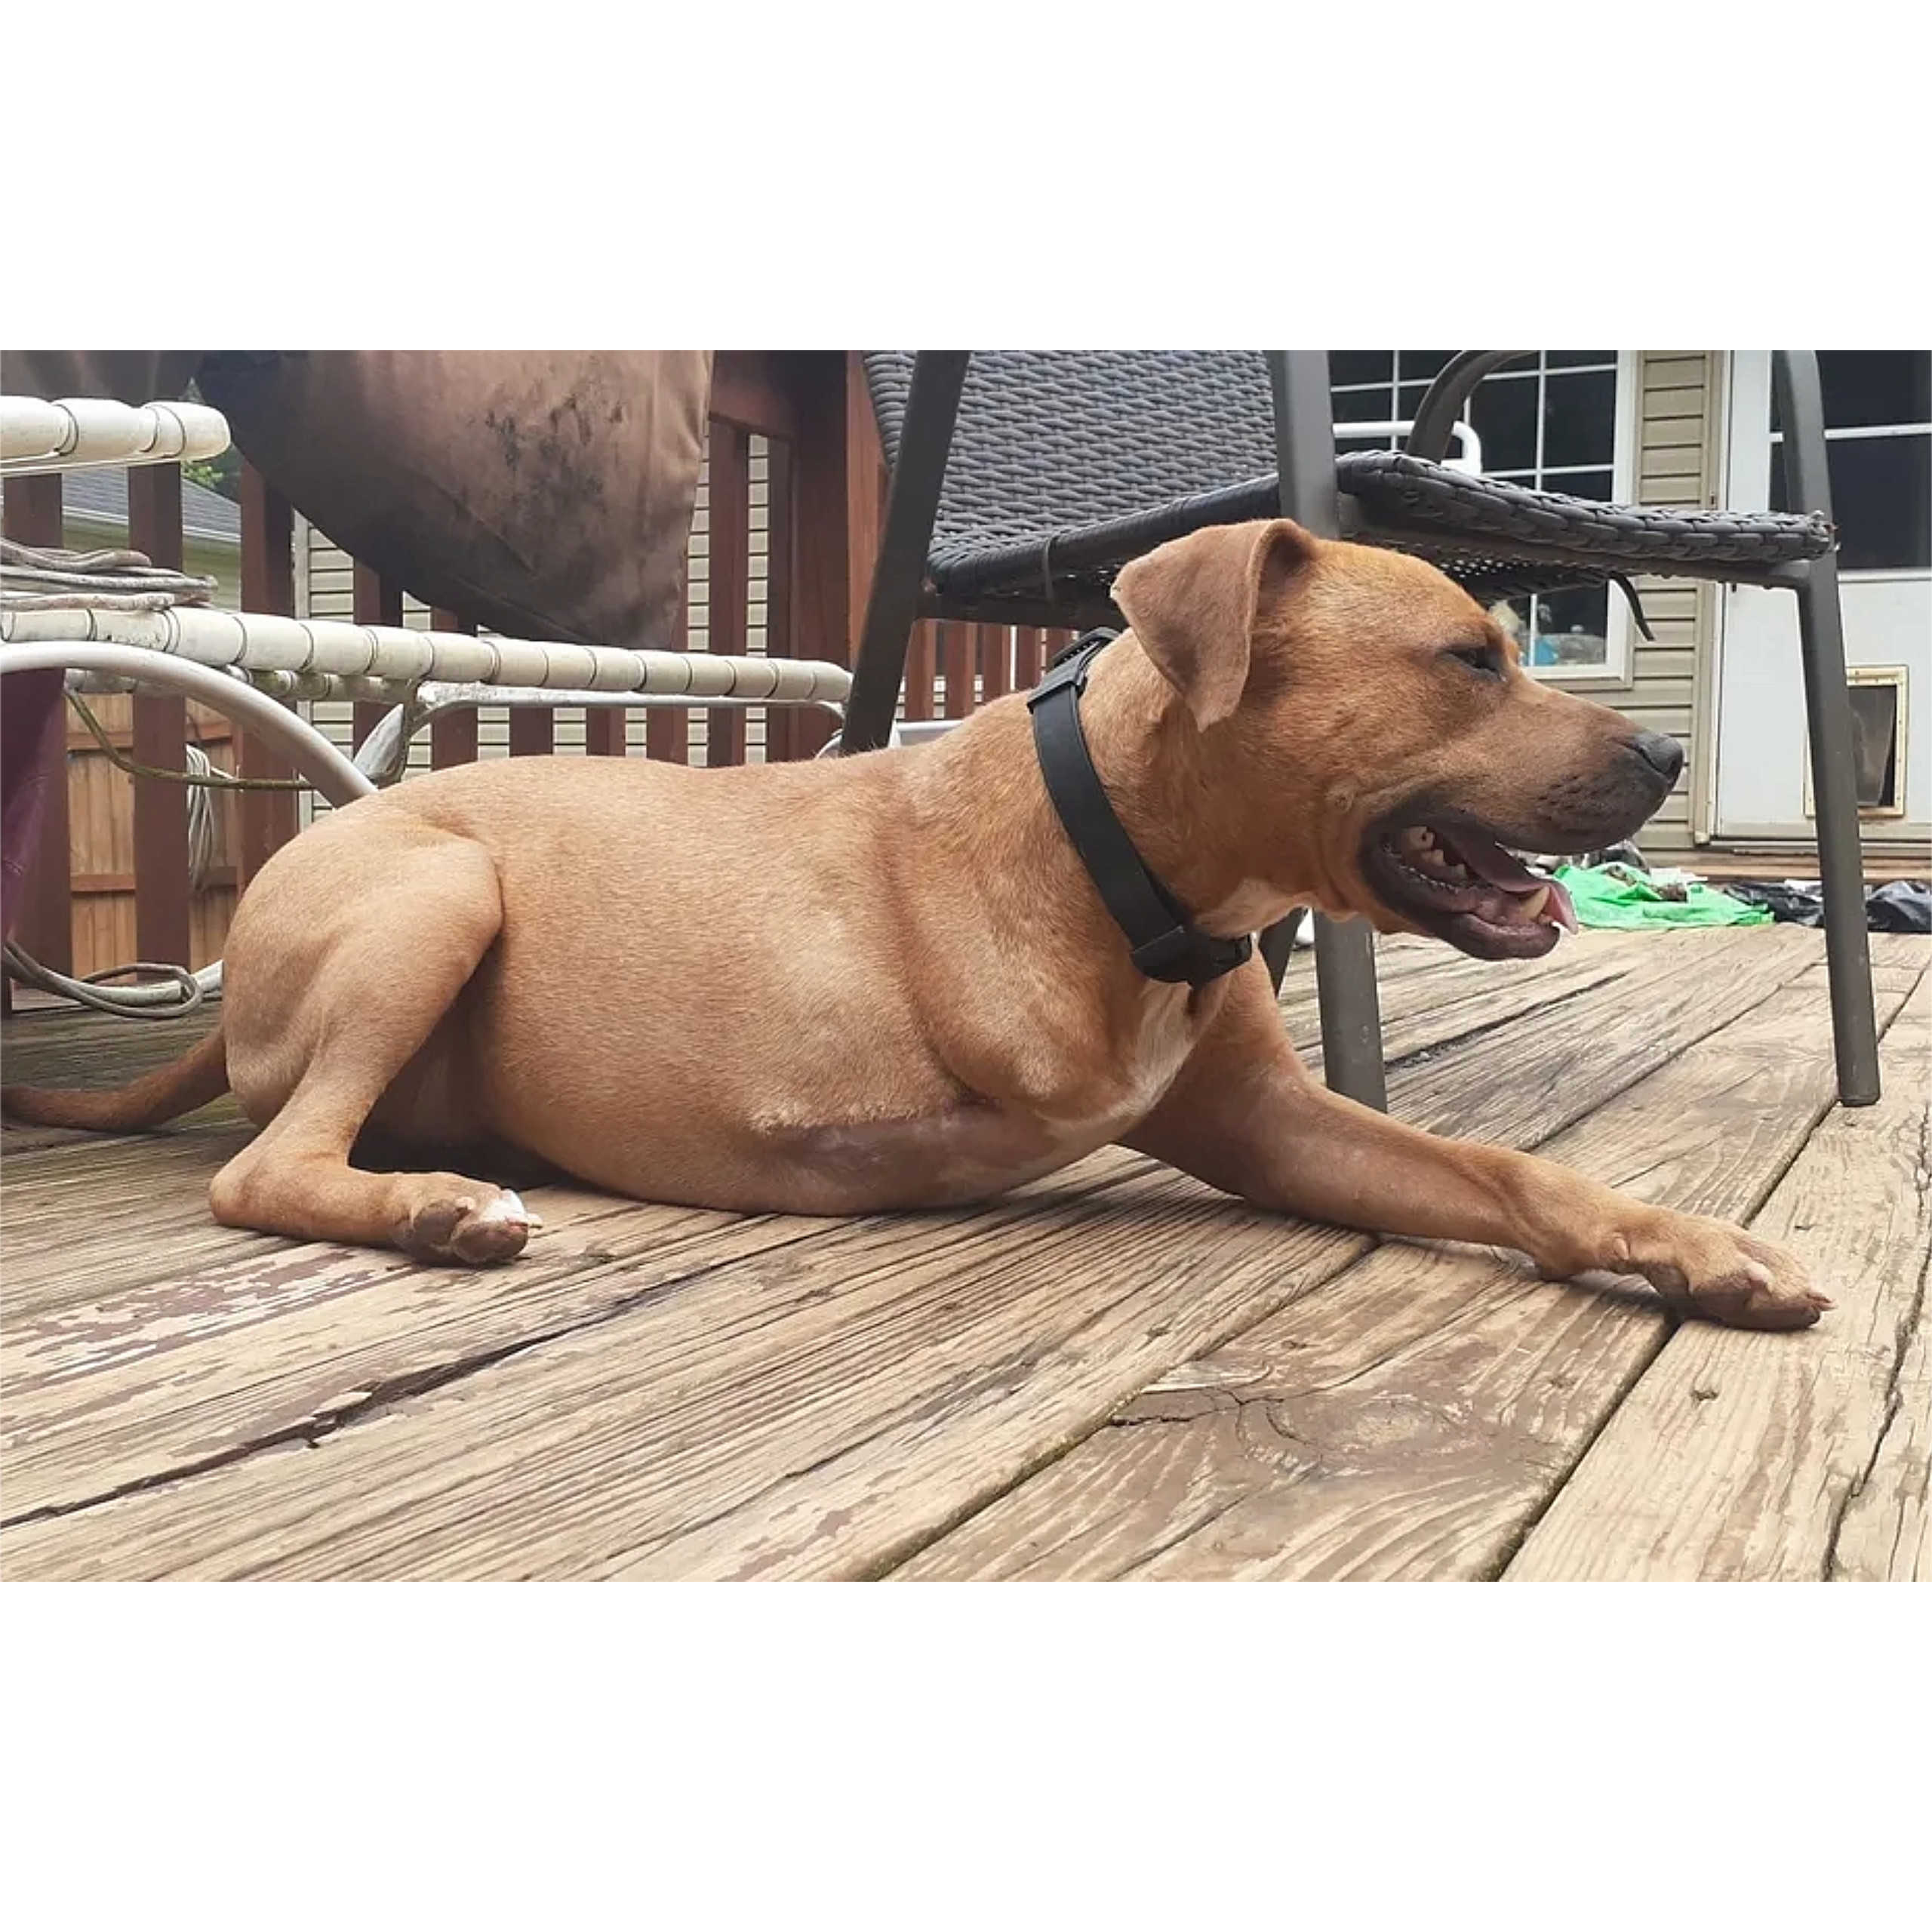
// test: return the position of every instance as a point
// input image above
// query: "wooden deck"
(1113, 1374)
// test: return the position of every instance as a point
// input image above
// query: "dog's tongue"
(1501, 868)
(1489, 860)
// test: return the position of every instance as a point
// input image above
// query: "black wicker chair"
(1022, 482)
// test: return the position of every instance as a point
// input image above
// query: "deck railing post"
(729, 497)
(44, 924)
(265, 820)
(162, 923)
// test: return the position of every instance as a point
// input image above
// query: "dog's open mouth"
(1466, 886)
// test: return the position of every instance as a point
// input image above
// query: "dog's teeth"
(1533, 905)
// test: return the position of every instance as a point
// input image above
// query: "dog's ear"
(1194, 605)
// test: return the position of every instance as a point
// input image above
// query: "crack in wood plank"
(1441, 1454)
(1730, 1462)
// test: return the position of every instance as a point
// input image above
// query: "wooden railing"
(824, 498)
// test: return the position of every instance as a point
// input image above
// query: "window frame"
(1618, 669)
(1748, 473)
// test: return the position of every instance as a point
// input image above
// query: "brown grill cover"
(543, 492)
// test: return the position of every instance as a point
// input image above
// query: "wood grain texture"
(653, 1394)
(922, 658)
(1411, 1418)
(996, 661)
(781, 733)
(1885, 1534)
(161, 924)
(373, 599)
(729, 501)
(955, 665)
(44, 920)
(266, 1340)
(1733, 1462)
(265, 821)
(767, 1386)
(1030, 653)
(810, 1410)
(140, 1198)
(453, 734)
(667, 731)
(56, 1045)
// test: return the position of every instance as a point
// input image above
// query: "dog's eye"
(1485, 660)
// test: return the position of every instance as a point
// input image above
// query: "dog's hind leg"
(376, 942)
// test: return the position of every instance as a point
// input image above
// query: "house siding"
(1678, 455)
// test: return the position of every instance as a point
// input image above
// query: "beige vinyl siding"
(1677, 464)
(324, 588)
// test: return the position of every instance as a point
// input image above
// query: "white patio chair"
(117, 630)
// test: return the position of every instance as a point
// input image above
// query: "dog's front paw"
(485, 1225)
(1724, 1274)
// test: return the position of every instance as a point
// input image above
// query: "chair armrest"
(1435, 418)
(86, 433)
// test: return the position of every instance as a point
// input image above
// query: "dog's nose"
(1664, 756)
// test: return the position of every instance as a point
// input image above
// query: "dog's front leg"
(1244, 1116)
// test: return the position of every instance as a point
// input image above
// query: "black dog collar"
(1166, 944)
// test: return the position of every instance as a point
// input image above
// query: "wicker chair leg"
(1828, 712)
(912, 504)
(1344, 955)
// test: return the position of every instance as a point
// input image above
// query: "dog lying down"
(934, 999)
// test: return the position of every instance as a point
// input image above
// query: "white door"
(1878, 427)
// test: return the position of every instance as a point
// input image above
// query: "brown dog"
(927, 1002)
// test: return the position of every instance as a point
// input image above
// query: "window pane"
(1579, 419)
(1594, 483)
(1573, 628)
(1504, 414)
(1882, 497)
(1422, 364)
(1361, 365)
(1569, 358)
(1870, 389)
(1362, 406)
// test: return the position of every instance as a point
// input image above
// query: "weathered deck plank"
(850, 1393)
(235, 1340)
(1411, 1418)
(1733, 1461)
(658, 1394)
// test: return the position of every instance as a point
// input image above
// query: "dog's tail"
(200, 1076)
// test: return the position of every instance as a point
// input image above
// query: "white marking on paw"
(507, 1207)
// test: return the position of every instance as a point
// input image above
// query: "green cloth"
(1621, 897)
